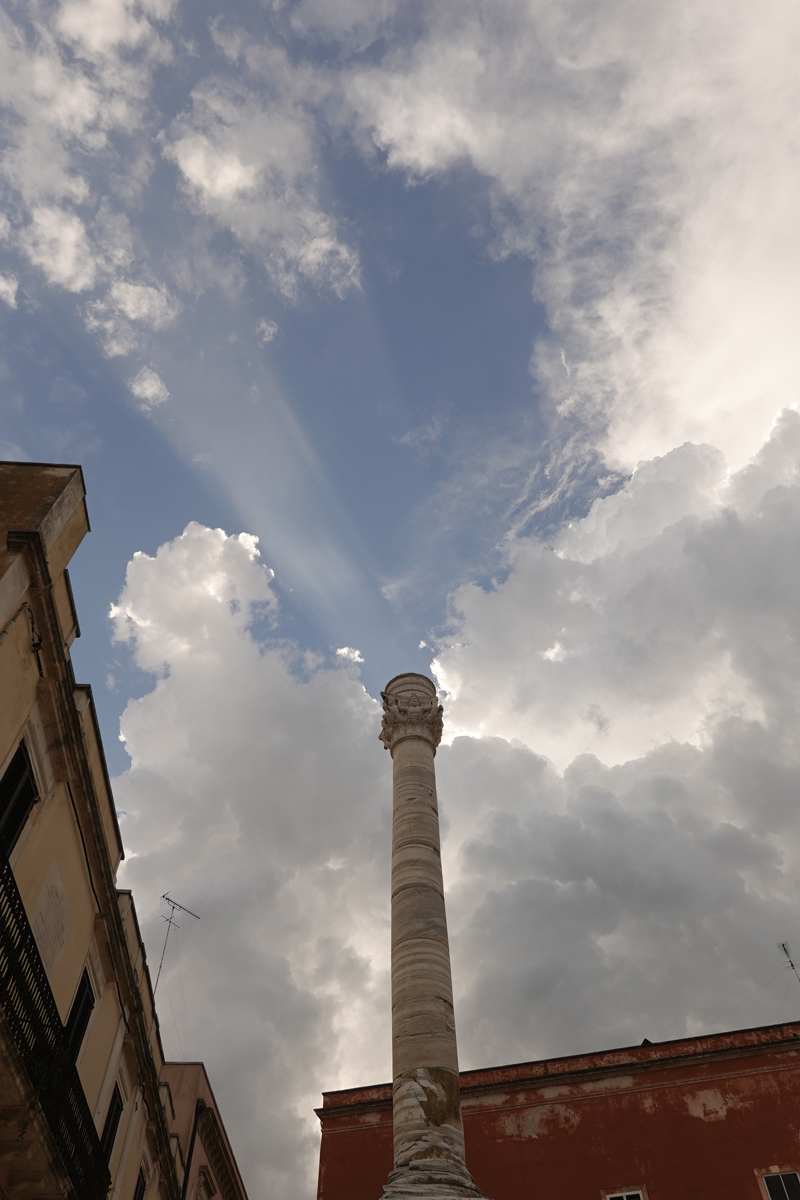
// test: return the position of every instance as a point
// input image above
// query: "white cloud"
(148, 388)
(152, 306)
(644, 624)
(69, 80)
(638, 896)
(8, 290)
(646, 164)
(126, 306)
(425, 435)
(251, 164)
(246, 788)
(649, 167)
(267, 331)
(688, 481)
(350, 654)
(56, 242)
(606, 905)
(74, 75)
(353, 24)
(97, 28)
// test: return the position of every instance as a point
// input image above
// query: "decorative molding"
(412, 714)
(219, 1157)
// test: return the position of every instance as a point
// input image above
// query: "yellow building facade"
(86, 1110)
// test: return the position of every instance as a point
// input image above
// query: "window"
(18, 795)
(206, 1188)
(79, 1014)
(141, 1186)
(636, 1195)
(785, 1186)
(112, 1123)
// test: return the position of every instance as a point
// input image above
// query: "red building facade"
(712, 1118)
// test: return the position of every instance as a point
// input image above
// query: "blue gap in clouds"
(440, 338)
(61, 401)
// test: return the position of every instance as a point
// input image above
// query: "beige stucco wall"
(55, 843)
(19, 680)
(49, 861)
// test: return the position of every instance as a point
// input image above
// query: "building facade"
(209, 1164)
(715, 1117)
(86, 1104)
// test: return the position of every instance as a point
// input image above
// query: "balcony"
(34, 1028)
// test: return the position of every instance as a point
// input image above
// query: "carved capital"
(412, 712)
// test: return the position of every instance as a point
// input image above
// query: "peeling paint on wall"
(708, 1106)
(52, 919)
(539, 1121)
(714, 1109)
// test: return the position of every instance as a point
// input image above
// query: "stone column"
(428, 1133)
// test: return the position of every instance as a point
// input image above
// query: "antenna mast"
(784, 948)
(170, 920)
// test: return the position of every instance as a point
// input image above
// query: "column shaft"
(427, 1107)
(428, 1132)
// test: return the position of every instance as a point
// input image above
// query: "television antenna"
(785, 949)
(170, 922)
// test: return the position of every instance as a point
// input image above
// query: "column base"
(431, 1179)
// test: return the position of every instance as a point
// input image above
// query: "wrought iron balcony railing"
(35, 1025)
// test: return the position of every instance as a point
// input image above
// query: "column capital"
(410, 709)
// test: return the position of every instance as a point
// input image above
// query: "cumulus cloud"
(350, 654)
(623, 836)
(149, 388)
(606, 905)
(262, 801)
(616, 868)
(644, 614)
(619, 785)
(647, 166)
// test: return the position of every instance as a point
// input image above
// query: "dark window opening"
(625, 1196)
(18, 795)
(79, 1014)
(141, 1186)
(785, 1186)
(112, 1123)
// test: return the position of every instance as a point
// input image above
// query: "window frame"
(140, 1191)
(28, 775)
(108, 1140)
(77, 1047)
(763, 1173)
(628, 1190)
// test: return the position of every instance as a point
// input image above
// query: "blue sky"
(378, 398)
(482, 320)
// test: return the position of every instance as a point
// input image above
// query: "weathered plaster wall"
(697, 1117)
